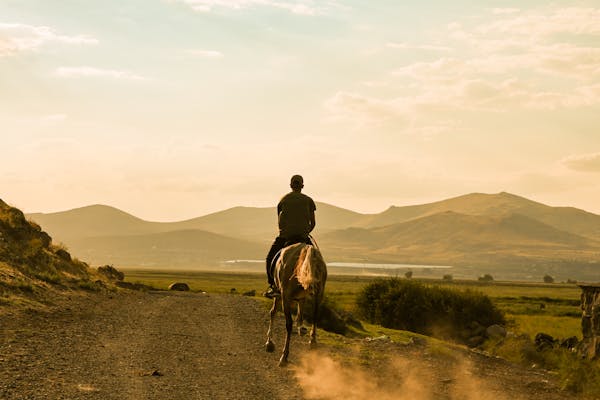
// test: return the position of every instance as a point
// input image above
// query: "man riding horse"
(296, 217)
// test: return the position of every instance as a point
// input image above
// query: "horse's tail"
(311, 270)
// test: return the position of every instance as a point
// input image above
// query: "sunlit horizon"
(173, 109)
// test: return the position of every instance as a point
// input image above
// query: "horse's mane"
(310, 268)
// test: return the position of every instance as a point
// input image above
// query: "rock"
(250, 293)
(475, 328)
(111, 273)
(475, 341)
(100, 283)
(179, 286)
(63, 255)
(570, 343)
(544, 341)
(233, 290)
(495, 331)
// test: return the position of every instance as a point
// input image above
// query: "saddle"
(289, 242)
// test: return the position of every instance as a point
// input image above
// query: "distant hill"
(568, 219)
(250, 223)
(94, 220)
(185, 248)
(477, 229)
(452, 238)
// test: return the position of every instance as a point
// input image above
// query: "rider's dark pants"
(279, 243)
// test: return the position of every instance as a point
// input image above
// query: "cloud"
(205, 53)
(363, 110)
(299, 8)
(505, 10)
(512, 60)
(573, 20)
(17, 38)
(583, 162)
(92, 72)
(406, 46)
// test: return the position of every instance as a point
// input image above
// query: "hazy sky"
(170, 109)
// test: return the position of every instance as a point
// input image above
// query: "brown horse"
(300, 271)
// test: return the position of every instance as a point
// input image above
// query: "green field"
(530, 308)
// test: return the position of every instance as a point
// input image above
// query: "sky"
(172, 109)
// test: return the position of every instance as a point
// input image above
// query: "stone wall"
(590, 321)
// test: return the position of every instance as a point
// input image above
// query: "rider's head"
(297, 183)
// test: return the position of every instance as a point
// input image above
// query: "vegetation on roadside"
(431, 310)
(574, 374)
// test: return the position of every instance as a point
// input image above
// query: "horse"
(300, 271)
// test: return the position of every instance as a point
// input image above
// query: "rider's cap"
(297, 180)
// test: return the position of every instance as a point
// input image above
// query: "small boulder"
(63, 255)
(570, 343)
(111, 273)
(475, 341)
(544, 341)
(179, 286)
(250, 293)
(495, 331)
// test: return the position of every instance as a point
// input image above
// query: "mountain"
(568, 219)
(250, 223)
(458, 239)
(477, 229)
(183, 248)
(94, 220)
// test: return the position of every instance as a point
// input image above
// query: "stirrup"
(271, 293)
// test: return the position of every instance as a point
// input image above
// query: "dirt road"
(166, 345)
(158, 345)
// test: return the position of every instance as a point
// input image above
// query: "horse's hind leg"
(300, 318)
(288, 332)
(270, 346)
(313, 331)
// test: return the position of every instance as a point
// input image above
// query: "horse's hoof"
(312, 344)
(302, 331)
(283, 363)
(270, 346)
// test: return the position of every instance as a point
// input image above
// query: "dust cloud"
(323, 378)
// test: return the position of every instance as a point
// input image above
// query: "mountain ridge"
(475, 228)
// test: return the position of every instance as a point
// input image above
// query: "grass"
(520, 301)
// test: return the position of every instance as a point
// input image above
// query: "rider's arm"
(312, 220)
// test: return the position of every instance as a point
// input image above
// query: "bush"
(548, 279)
(408, 274)
(448, 277)
(331, 317)
(486, 278)
(437, 311)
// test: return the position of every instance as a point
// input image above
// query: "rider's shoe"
(271, 292)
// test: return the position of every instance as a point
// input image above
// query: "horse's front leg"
(270, 346)
(288, 332)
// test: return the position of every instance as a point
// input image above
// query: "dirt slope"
(107, 346)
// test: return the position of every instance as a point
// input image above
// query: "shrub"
(548, 279)
(437, 311)
(331, 317)
(408, 274)
(448, 277)
(486, 278)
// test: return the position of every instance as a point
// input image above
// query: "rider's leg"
(277, 245)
